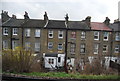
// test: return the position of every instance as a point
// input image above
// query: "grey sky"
(56, 9)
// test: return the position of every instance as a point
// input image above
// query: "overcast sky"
(56, 9)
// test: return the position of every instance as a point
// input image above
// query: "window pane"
(50, 34)
(37, 33)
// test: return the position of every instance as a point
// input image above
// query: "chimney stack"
(107, 21)
(45, 17)
(26, 15)
(66, 20)
(13, 16)
(4, 16)
(88, 20)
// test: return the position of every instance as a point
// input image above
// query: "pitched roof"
(56, 24)
(34, 23)
(115, 26)
(77, 25)
(99, 26)
(13, 22)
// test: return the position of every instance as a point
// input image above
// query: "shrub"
(18, 60)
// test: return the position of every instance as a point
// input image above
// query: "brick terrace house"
(53, 40)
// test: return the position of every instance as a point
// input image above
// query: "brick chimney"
(13, 16)
(45, 17)
(88, 20)
(26, 15)
(66, 20)
(107, 21)
(4, 16)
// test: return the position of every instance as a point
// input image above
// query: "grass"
(75, 76)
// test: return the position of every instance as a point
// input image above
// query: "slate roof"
(77, 25)
(24, 23)
(13, 22)
(115, 26)
(59, 24)
(34, 23)
(51, 55)
(99, 26)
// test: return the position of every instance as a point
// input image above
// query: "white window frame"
(117, 48)
(104, 33)
(37, 46)
(96, 34)
(5, 44)
(105, 48)
(50, 34)
(37, 32)
(72, 48)
(51, 61)
(83, 47)
(96, 48)
(5, 31)
(27, 45)
(117, 36)
(14, 44)
(83, 35)
(15, 31)
(60, 46)
(60, 34)
(27, 32)
(50, 45)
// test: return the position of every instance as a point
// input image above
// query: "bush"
(18, 60)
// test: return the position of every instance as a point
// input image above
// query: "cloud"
(56, 9)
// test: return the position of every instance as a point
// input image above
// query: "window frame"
(60, 32)
(5, 44)
(118, 48)
(27, 45)
(83, 35)
(15, 31)
(105, 48)
(14, 44)
(37, 46)
(37, 32)
(50, 46)
(105, 36)
(96, 47)
(82, 47)
(117, 36)
(50, 32)
(73, 34)
(96, 34)
(5, 31)
(72, 48)
(60, 47)
(27, 32)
